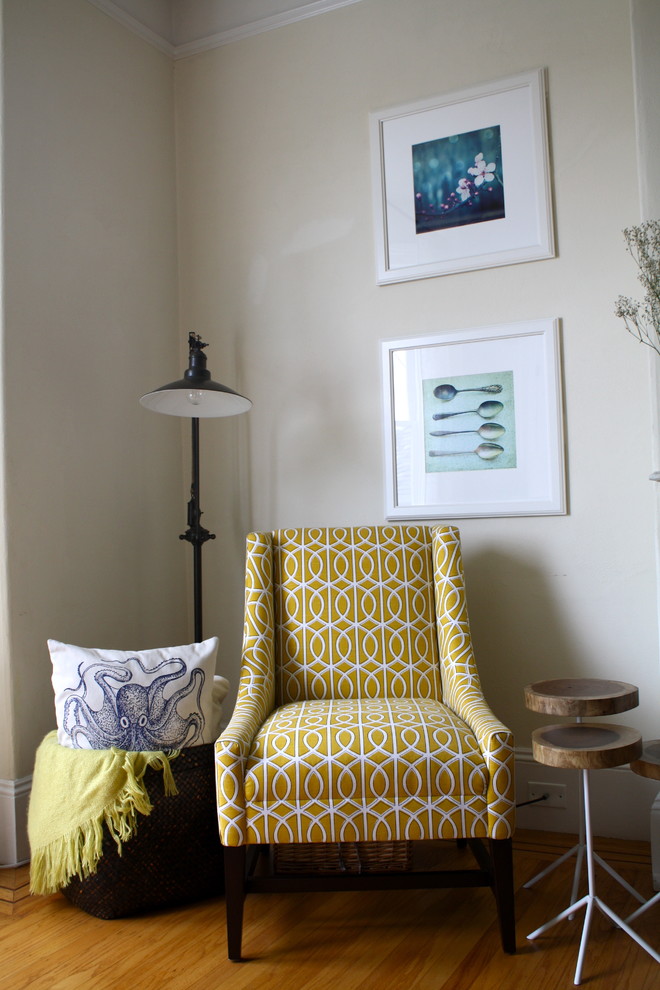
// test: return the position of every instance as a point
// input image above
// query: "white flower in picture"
(463, 189)
(482, 171)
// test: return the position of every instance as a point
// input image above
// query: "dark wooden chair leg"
(234, 898)
(501, 852)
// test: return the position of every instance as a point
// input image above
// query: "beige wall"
(6, 707)
(93, 483)
(276, 267)
(276, 240)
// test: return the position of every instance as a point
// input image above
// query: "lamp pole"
(196, 534)
(196, 395)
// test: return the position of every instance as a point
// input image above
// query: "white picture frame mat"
(517, 105)
(536, 485)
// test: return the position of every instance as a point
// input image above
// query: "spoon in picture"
(487, 451)
(447, 392)
(487, 410)
(489, 431)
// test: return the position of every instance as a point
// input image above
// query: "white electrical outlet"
(556, 794)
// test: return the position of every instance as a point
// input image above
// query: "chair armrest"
(461, 686)
(232, 749)
(256, 691)
(496, 743)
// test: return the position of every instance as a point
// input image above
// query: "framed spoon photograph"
(473, 423)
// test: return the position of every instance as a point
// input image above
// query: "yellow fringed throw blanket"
(76, 791)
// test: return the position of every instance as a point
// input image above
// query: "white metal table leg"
(553, 866)
(578, 851)
(612, 872)
(590, 900)
(647, 904)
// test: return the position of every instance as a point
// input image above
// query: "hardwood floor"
(428, 940)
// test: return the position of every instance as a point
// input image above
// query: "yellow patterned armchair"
(360, 722)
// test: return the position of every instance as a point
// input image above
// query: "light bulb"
(195, 396)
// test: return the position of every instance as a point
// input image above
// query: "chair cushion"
(354, 613)
(364, 770)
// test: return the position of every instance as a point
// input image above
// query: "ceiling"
(186, 27)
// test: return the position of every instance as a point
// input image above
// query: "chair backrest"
(354, 613)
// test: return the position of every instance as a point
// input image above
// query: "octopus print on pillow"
(151, 700)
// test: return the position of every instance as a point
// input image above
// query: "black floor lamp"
(198, 396)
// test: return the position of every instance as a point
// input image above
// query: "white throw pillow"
(220, 689)
(154, 699)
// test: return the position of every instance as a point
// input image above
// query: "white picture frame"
(438, 209)
(496, 446)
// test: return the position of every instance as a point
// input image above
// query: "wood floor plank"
(422, 940)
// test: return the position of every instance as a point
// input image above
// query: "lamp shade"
(196, 395)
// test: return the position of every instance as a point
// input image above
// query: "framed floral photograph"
(462, 181)
(473, 423)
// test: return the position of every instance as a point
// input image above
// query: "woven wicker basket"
(174, 857)
(343, 857)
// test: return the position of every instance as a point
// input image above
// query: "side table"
(588, 746)
(648, 765)
(581, 697)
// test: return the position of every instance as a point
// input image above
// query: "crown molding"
(139, 27)
(269, 23)
(165, 34)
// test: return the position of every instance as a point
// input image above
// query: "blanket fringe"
(75, 854)
(78, 853)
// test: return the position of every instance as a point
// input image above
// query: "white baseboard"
(621, 801)
(14, 798)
